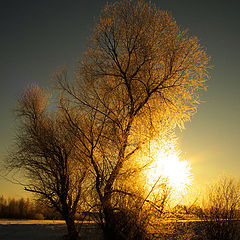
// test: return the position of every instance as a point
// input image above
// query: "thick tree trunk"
(71, 227)
(110, 229)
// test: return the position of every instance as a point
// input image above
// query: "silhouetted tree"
(220, 211)
(138, 79)
(17, 209)
(47, 155)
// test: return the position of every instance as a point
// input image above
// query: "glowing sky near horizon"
(38, 37)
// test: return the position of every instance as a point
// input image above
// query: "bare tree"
(138, 79)
(46, 154)
(221, 208)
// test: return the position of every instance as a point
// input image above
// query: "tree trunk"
(71, 227)
(110, 229)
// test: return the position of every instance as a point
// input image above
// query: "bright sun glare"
(167, 163)
(177, 172)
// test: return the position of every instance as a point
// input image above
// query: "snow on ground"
(42, 230)
(31, 229)
(47, 230)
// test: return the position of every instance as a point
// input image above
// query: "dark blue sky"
(38, 37)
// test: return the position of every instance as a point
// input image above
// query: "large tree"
(46, 153)
(138, 79)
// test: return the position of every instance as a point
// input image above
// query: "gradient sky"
(38, 37)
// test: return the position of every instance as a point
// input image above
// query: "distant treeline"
(25, 209)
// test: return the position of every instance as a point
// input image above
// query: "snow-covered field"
(31, 229)
(42, 230)
(46, 230)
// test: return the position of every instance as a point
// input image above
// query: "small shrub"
(221, 210)
(38, 216)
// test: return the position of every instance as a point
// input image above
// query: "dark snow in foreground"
(32, 229)
(40, 230)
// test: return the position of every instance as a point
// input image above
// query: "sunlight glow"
(177, 172)
(168, 164)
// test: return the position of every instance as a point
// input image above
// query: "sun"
(176, 171)
(167, 163)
